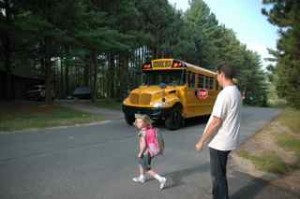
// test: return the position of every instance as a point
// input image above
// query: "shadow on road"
(187, 123)
(242, 186)
(176, 177)
(250, 191)
(196, 121)
(247, 187)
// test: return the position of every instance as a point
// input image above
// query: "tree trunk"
(48, 74)
(94, 76)
(86, 71)
(67, 86)
(123, 77)
(6, 40)
(7, 63)
(111, 73)
(61, 85)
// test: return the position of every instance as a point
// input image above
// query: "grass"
(290, 140)
(109, 103)
(268, 162)
(278, 103)
(26, 116)
(287, 138)
(290, 118)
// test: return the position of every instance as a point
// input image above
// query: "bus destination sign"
(161, 64)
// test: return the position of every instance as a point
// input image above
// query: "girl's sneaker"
(139, 179)
(163, 183)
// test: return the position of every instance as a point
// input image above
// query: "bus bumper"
(153, 113)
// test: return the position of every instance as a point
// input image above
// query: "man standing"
(222, 130)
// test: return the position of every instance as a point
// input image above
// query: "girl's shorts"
(145, 162)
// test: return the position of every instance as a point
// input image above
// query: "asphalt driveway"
(98, 161)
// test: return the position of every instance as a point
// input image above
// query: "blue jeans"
(218, 162)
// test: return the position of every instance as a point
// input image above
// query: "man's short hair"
(228, 70)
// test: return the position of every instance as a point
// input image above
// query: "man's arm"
(210, 131)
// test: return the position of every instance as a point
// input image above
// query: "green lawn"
(287, 138)
(269, 162)
(109, 103)
(291, 118)
(26, 116)
(290, 140)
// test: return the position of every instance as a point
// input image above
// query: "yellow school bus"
(170, 92)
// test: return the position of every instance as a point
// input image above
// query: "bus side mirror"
(162, 85)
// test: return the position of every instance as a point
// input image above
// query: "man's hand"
(139, 155)
(199, 146)
(209, 133)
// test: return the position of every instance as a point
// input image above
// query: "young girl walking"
(142, 123)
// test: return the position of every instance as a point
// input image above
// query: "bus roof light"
(177, 64)
(147, 66)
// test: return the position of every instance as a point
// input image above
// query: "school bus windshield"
(171, 78)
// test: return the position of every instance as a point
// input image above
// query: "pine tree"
(285, 15)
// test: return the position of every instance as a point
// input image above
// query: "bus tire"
(175, 119)
(129, 119)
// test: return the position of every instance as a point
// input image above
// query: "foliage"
(102, 43)
(207, 43)
(286, 74)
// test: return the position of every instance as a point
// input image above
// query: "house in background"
(20, 84)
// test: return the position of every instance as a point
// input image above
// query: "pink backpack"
(154, 141)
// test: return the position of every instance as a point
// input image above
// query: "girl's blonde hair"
(145, 118)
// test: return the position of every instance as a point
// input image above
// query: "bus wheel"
(175, 119)
(129, 119)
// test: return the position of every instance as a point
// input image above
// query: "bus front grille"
(145, 99)
(142, 99)
(134, 98)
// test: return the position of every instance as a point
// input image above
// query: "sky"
(245, 19)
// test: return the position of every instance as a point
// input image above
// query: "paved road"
(98, 162)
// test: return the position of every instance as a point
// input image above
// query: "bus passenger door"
(192, 102)
(208, 83)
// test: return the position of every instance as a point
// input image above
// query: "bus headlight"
(160, 104)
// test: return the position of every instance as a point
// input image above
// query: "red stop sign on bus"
(202, 94)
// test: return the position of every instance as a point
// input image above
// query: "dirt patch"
(266, 142)
(290, 181)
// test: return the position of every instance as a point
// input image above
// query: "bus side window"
(206, 82)
(201, 81)
(211, 83)
(183, 77)
(191, 79)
